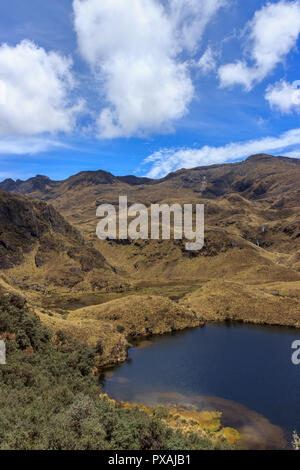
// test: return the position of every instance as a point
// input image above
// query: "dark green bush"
(120, 329)
(99, 348)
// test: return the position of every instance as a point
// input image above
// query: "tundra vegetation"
(50, 398)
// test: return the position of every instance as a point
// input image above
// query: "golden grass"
(272, 303)
(139, 315)
(115, 321)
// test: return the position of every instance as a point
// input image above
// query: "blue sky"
(145, 86)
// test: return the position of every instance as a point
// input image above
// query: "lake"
(244, 371)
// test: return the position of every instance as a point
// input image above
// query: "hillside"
(257, 198)
(252, 241)
(40, 251)
(118, 321)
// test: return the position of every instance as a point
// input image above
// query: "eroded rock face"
(31, 226)
(23, 222)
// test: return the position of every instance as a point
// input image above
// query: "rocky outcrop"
(24, 222)
(37, 183)
(41, 245)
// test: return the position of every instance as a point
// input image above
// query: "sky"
(146, 87)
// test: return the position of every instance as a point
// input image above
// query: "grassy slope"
(118, 320)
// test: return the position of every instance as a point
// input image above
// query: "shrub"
(99, 348)
(50, 397)
(296, 441)
(120, 329)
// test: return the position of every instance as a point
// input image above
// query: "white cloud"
(293, 153)
(272, 34)
(134, 49)
(284, 96)
(166, 160)
(149, 95)
(237, 74)
(34, 91)
(190, 18)
(28, 145)
(207, 62)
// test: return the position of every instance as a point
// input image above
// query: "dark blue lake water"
(242, 370)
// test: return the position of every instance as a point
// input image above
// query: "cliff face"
(24, 222)
(37, 242)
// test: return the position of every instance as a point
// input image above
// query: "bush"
(296, 441)
(99, 348)
(50, 397)
(120, 329)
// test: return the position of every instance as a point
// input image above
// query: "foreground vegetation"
(49, 395)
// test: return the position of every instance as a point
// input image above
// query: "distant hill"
(37, 183)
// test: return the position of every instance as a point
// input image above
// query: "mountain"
(252, 240)
(38, 183)
(40, 250)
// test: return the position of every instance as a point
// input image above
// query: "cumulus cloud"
(34, 91)
(166, 160)
(284, 96)
(142, 77)
(272, 33)
(207, 62)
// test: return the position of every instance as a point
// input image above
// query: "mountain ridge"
(40, 182)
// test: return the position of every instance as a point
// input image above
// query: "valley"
(111, 294)
(248, 270)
